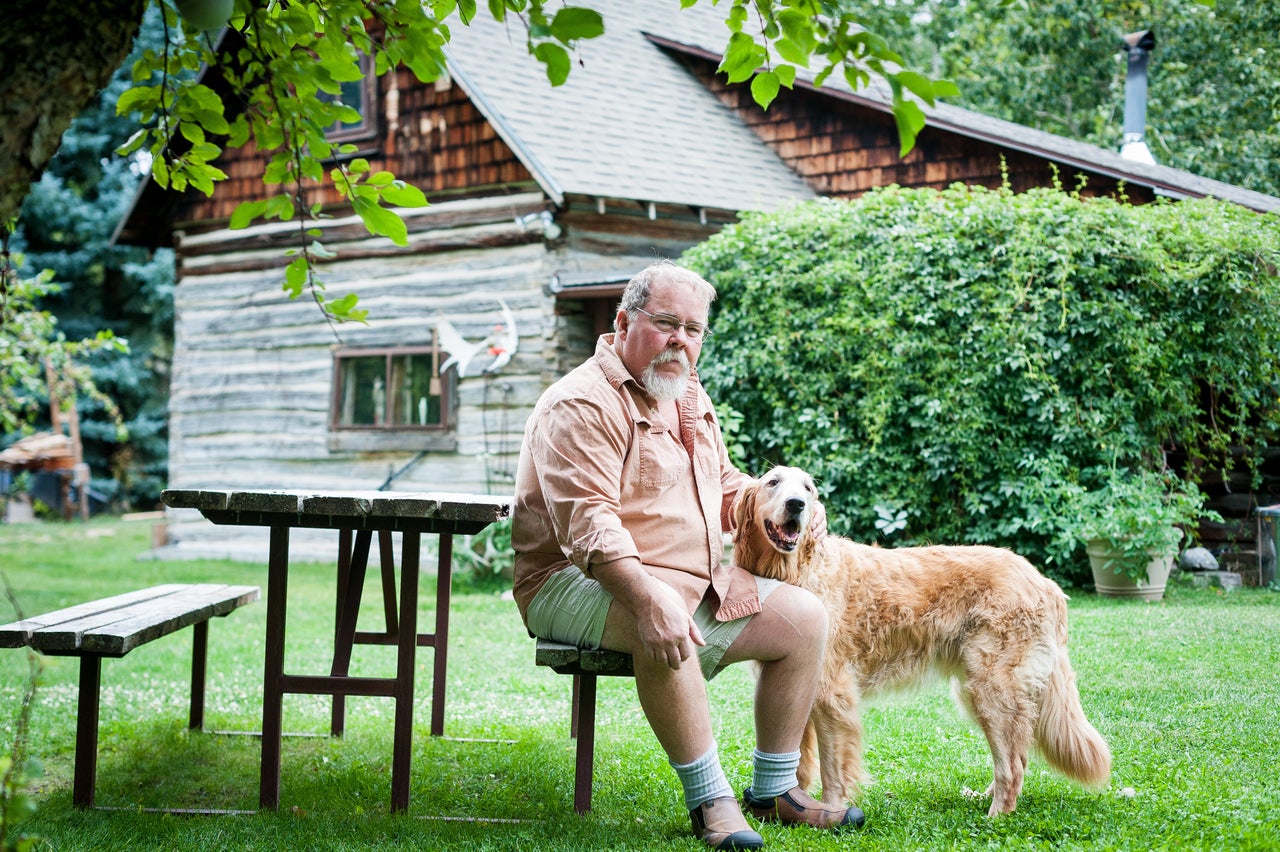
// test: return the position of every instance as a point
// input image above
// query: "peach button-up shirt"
(602, 477)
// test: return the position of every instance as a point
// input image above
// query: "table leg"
(387, 553)
(407, 646)
(444, 588)
(273, 680)
(352, 563)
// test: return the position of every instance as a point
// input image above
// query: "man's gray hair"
(636, 294)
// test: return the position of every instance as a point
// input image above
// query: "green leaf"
(239, 132)
(245, 213)
(798, 30)
(764, 88)
(344, 309)
(742, 56)
(917, 83)
(160, 171)
(279, 207)
(556, 58)
(910, 120)
(295, 276)
(402, 194)
(574, 22)
(144, 99)
(318, 249)
(792, 52)
(378, 220)
(945, 89)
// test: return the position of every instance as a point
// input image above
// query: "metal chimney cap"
(1145, 39)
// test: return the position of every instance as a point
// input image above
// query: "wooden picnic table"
(356, 515)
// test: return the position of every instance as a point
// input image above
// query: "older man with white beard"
(623, 492)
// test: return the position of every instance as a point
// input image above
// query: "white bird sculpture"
(501, 343)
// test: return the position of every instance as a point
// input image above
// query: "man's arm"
(666, 631)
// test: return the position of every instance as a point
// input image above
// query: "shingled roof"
(630, 122)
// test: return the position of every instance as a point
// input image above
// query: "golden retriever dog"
(981, 615)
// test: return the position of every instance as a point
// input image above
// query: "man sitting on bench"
(623, 489)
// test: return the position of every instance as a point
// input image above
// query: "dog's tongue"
(784, 534)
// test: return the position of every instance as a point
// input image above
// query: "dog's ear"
(744, 509)
(744, 551)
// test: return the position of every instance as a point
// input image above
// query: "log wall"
(253, 369)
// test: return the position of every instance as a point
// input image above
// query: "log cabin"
(544, 201)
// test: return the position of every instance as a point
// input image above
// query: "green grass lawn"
(1187, 692)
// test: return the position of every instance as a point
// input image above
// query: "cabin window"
(398, 389)
(360, 95)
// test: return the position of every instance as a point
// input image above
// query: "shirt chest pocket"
(663, 459)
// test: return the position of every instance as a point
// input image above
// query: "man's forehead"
(666, 295)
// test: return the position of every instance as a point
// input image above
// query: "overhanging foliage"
(964, 356)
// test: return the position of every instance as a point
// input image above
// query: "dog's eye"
(772, 483)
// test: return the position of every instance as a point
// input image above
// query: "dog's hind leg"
(1006, 714)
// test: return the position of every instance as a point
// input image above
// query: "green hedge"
(953, 360)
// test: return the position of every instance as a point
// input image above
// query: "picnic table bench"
(585, 665)
(112, 627)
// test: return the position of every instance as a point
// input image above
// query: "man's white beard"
(664, 388)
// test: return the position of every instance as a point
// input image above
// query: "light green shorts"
(571, 608)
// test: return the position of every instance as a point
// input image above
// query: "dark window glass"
(388, 389)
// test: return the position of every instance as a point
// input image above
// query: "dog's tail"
(1064, 735)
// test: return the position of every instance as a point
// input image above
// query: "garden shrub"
(953, 360)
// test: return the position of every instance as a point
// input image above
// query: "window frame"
(389, 354)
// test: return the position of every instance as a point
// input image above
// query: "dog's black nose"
(795, 505)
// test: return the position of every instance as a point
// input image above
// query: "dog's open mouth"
(786, 536)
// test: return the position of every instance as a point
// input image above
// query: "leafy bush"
(485, 561)
(965, 356)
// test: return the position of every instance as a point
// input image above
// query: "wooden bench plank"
(19, 633)
(146, 622)
(570, 659)
(114, 626)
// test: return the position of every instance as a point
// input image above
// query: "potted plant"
(17, 506)
(1132, 523)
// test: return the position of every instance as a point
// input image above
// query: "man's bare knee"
(804, 612)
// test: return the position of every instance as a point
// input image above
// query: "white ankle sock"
(703, 779)
(773, 774)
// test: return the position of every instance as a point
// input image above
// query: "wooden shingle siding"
(843, 149)
(440, 142)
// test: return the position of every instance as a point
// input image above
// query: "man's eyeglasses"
(666, 324)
